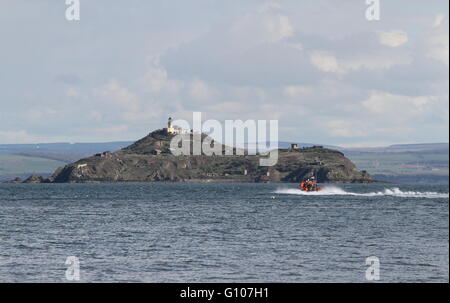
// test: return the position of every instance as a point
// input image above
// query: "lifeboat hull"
(309, 187)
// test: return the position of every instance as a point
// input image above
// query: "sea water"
(223, 232)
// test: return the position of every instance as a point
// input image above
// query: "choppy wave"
(333, 190)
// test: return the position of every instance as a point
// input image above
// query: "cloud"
(114, 94)
(118, 129)
(199, 90)
(345, 128)
(24, 137)
(394, 38)
(68, 78)
(72, 92)
(318, 66)
(387, 104)
(252, 49)
(265, 25)
(437, 43)
(326, 62)
(370, 61)
(295, 91)
(37, 114)
(19, 136)
(156, 79)
(439, 20)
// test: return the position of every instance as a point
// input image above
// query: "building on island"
(175, 130)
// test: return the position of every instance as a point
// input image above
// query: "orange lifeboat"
(309, 185)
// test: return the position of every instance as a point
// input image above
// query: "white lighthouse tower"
(170, 128)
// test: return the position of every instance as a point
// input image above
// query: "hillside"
(150, 160)
(401, 163)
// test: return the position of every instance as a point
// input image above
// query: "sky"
(319, 67)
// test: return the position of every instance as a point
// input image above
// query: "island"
(151, 160)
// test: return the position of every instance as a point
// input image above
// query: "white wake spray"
(333, 190)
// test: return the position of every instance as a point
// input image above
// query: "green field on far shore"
(20, 165)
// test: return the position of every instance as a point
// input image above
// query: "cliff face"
(150, 160)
